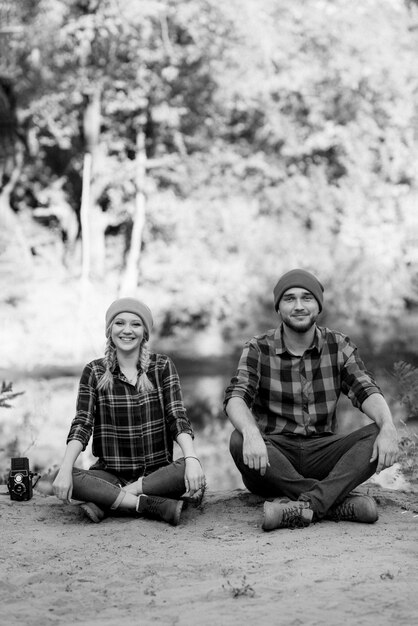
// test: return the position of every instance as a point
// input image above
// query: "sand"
(217, 567)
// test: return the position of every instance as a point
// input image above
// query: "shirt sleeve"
(174, 409)
(246, 381)
(83, 422)
(356, 382)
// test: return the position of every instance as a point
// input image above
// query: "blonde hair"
(106, 380)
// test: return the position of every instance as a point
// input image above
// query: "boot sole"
(91, 512)
(176, 517)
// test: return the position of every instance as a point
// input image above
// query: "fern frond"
(406, 377)
(7, 394)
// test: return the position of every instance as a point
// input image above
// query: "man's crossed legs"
(316, 474)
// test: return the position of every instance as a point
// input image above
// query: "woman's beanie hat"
(130, 305)
(298, 278)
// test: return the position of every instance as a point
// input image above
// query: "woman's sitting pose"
(132, 403)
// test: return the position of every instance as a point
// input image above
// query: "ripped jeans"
(104, 488)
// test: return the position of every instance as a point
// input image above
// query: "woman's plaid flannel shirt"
(133, 431)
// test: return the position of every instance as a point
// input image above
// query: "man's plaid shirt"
(133, 431)
(291, 394)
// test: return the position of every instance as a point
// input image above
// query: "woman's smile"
(127, 331)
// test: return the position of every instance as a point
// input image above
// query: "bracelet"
(192, 457)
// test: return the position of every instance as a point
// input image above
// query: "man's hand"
(385, 448)
(255, 451)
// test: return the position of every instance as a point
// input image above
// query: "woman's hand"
(194, 478)
(63, 485)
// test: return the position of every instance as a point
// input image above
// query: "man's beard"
(302, 327)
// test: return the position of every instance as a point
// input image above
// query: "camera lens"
(19, 488)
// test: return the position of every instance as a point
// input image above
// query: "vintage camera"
(19, 482)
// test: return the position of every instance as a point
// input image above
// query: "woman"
(131, 400)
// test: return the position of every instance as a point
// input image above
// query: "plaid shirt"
(133, 431)
(292, 394)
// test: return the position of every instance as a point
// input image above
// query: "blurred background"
(188, 152)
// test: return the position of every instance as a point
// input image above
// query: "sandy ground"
(216, 567)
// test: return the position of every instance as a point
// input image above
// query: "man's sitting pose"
(282, 403)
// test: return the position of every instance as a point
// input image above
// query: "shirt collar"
(317, 343)
(117, 371)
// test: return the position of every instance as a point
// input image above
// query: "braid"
(144, 382)
(106, 381)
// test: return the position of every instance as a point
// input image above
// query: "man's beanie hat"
(298, 278)
(130, 305)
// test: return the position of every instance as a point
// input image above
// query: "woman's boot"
(163, 509)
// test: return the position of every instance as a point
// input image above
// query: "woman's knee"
(167, 481)
(89, 487)
(102, 475)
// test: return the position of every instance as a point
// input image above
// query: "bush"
(406, 377)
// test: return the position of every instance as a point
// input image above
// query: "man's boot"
(355, 508)
(163, 509)
(286, 514)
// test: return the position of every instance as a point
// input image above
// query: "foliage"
(406, 377)
(276, 136)
(408, 457)
(7, 394)
(242, 589)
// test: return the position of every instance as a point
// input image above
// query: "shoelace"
(292, 518)
(345, 512)
(153, 507)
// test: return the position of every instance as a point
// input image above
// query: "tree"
(235, 140)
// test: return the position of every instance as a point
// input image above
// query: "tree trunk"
(130, 279)
(91, 129)
(85, 219)
(9, 221)
(91, 227)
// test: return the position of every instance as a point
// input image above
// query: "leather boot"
(162, 509)
(282, 513)
(355, 508)
(93, 512)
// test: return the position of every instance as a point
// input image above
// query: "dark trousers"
(322, 470)
(104, 488)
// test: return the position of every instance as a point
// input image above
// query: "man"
(282, 403)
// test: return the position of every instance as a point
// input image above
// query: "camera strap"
(32, 475)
